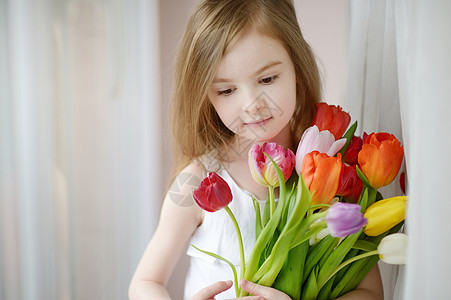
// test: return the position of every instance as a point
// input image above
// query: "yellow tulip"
(385, 214)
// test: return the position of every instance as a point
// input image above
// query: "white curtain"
(399, 72)
(80, 187)
(424, 60)
(372, 88)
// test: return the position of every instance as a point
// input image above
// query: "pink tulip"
(315, 140)
(261, 167)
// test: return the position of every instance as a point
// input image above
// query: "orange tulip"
(332, 118)
(380, 158)
(321, 175)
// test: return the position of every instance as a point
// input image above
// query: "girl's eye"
(225, 92)
(268, 80)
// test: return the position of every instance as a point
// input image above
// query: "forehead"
(249, 53)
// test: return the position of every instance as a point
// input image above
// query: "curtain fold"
(80, 184)
(425, 71)
(372, 94)
(400, 69)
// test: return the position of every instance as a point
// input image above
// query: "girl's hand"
(261, 291)
(209, 292)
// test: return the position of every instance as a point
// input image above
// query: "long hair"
(212, 29)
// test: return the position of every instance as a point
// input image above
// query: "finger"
(263, 291)
(255, 289)
(212, 290)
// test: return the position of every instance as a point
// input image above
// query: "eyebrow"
(258, 72)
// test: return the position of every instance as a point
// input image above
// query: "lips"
(258, 123)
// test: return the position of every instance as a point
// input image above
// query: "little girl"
(244, 75)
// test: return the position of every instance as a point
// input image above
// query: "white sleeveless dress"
(217, 234)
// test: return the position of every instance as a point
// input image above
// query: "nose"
(254, 103)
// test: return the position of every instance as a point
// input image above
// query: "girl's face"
(254, 89)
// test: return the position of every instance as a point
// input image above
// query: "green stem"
(235, 277)
(272, 200)
(319, 206)
(240, 241)
(351, 260)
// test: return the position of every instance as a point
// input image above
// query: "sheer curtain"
(424, 48)
(399, 72)
(80, 188)
(372, 95)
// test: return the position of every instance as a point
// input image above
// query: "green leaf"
(235, 276)
(363, 201)
(305, 237)
(289, 279)
(296, 225)
(348, 135)
(258, 219)
(362, 176)
(324, 293)
(356, 272)
(265, 237)
(350, 261)
(289, 210)
(359, 269)
(364, 245)
(310, 290)
(318, 251)
(335, 258)
(266, 212)
(372, 194)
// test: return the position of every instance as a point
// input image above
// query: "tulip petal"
(393, 249)
(336, 146)
(380, 159)
(262, 169)
(385, 214)
(332, 118)
(321, 174)
(315, 140)
(213, 193)
(344, 219)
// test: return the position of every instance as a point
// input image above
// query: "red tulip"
(213, 193)
(332, 118)
(402, 182)
(380, 158)
(350, 155)
(350, 185)
(263, 170)
(321, 174)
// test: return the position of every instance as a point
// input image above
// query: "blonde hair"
(212, 29)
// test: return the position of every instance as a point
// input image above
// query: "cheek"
(225, 113)
(287, 99)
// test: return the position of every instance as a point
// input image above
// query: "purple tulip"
(344, 219)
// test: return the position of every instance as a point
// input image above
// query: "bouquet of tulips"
(330, 225)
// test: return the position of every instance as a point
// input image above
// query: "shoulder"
(179, 200)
